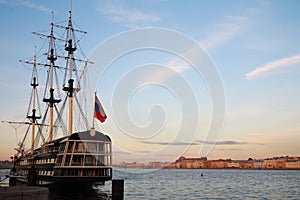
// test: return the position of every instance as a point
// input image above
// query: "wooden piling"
(117, 189)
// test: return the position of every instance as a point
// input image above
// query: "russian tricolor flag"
(99, 111)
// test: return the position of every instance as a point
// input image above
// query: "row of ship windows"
(85, 172)
(83, 160)
(40, 172)
(23, 172)
(25, 162)
(84, 153)
(46, 173)
(85, 147)
(45, 161)
(40, 161)
(72, 172)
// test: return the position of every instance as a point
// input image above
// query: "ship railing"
(85, 152)
(83, 164)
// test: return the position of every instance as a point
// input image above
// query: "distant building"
(218, 164)
(5, 164)
(156, 164)
(292, 164)
(172, 166)
(191, 163)
(246, 164)
(275, 162)
(130, 165)
(233, 164)
(258, 164)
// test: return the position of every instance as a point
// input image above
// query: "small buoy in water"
(201, 174)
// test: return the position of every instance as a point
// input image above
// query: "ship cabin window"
(100, 160)
(77, 160)
(79, 148)
(70, 147)
(101, 148)
(62, 148)
(90, 161)
(92, 147)
(59, 160)
(67, 160)
(102, 172)
(87, 172)
(74, 172)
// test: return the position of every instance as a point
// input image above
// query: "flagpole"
(93, 118)
(93, 122)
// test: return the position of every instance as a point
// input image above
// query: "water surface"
(189, 184)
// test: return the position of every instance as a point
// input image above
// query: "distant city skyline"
(282, 162)
(252, 44)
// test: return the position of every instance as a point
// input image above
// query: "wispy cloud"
(230, 149)
(199, 142)
(224, 32)
(27, 4)
(226, 142)
(171, 143)
(270, 66)
(131, 18)
(34, 6)
(174, 67)
(131, 152)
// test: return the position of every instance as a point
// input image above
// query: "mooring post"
(12, 180)
(117, 189)
(31, 177)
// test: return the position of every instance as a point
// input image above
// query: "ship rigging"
(57, 153)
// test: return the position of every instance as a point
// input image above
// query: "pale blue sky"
(254, 45)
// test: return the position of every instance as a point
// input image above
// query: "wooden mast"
(52, 58)
(70, 88)
(51, 100)
(33, 117)
(70, 47)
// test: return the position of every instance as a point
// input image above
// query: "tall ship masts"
(78, 158)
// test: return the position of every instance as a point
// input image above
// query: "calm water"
(188, 184)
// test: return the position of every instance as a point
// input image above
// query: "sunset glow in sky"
(254, 45)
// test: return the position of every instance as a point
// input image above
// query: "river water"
(189, 184)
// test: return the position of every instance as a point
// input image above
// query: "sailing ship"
(82, 157)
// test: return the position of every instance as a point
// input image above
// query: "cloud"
(171, 143)
(177, 66)
(268, 67)
(26, 4)
(227, 142)
(128, 17)
(199, 142)
(34, 6)
(230, 149)
(130, 153)
(224, 32)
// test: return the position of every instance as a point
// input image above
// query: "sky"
(160, 104)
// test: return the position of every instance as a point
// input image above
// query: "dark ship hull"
(80, 159)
